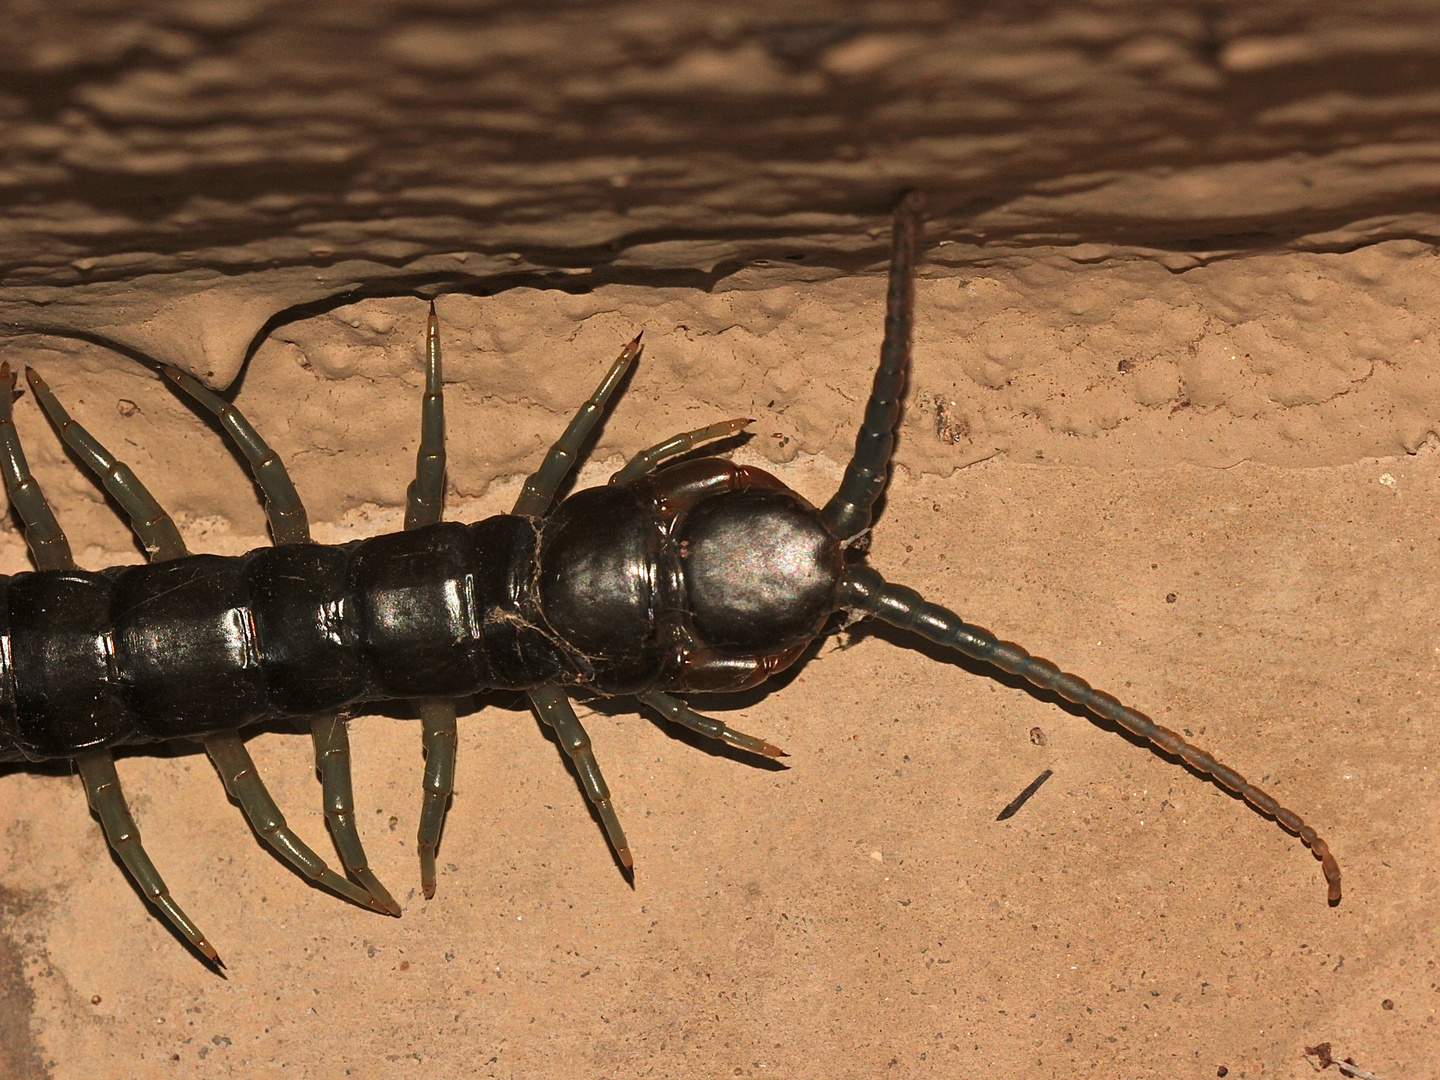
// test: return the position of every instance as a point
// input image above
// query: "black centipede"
(683, 574)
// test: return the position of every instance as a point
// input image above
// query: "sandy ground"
(860, 912)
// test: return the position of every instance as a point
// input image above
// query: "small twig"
(1348, 1066)
(1024, 796)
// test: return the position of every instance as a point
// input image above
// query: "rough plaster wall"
(1176, 337)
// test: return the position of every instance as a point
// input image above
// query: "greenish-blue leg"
(540, 487)
(676, 710)
(243, 783)
(554, 708)
(683, 443)
(42, 532)
(288, 523)
(424, 503)
(102, 789)
(148, 519)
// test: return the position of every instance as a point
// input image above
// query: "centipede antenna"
(424, 500)
(850, 510)
(554, 709)
(283, 509)
(864, 590)
(48, 545)
(151, 524)
(102, 790)
(541, 485)
(647, 459)
(678, 712)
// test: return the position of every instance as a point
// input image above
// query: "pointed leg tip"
(626, 859)
(380, 898)
(772, 751)
(428, 891)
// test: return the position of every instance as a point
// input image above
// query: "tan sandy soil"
(1171, 423)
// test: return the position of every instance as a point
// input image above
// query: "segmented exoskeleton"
(702, 575)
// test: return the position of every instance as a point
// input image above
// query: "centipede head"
(757, 572)
(760, 568)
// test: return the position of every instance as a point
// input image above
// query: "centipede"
(683, 574)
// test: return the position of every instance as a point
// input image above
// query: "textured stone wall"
(182, 179)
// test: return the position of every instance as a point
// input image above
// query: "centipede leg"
(438, 717)
(675, 710)
(332, 759)
(553, 707)
(102, 789)
(425, 498)
(42, 532)
(683, 443)
(148, 519)
(289, 524)
(541, 485)
(243, 783)
(424, 503)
